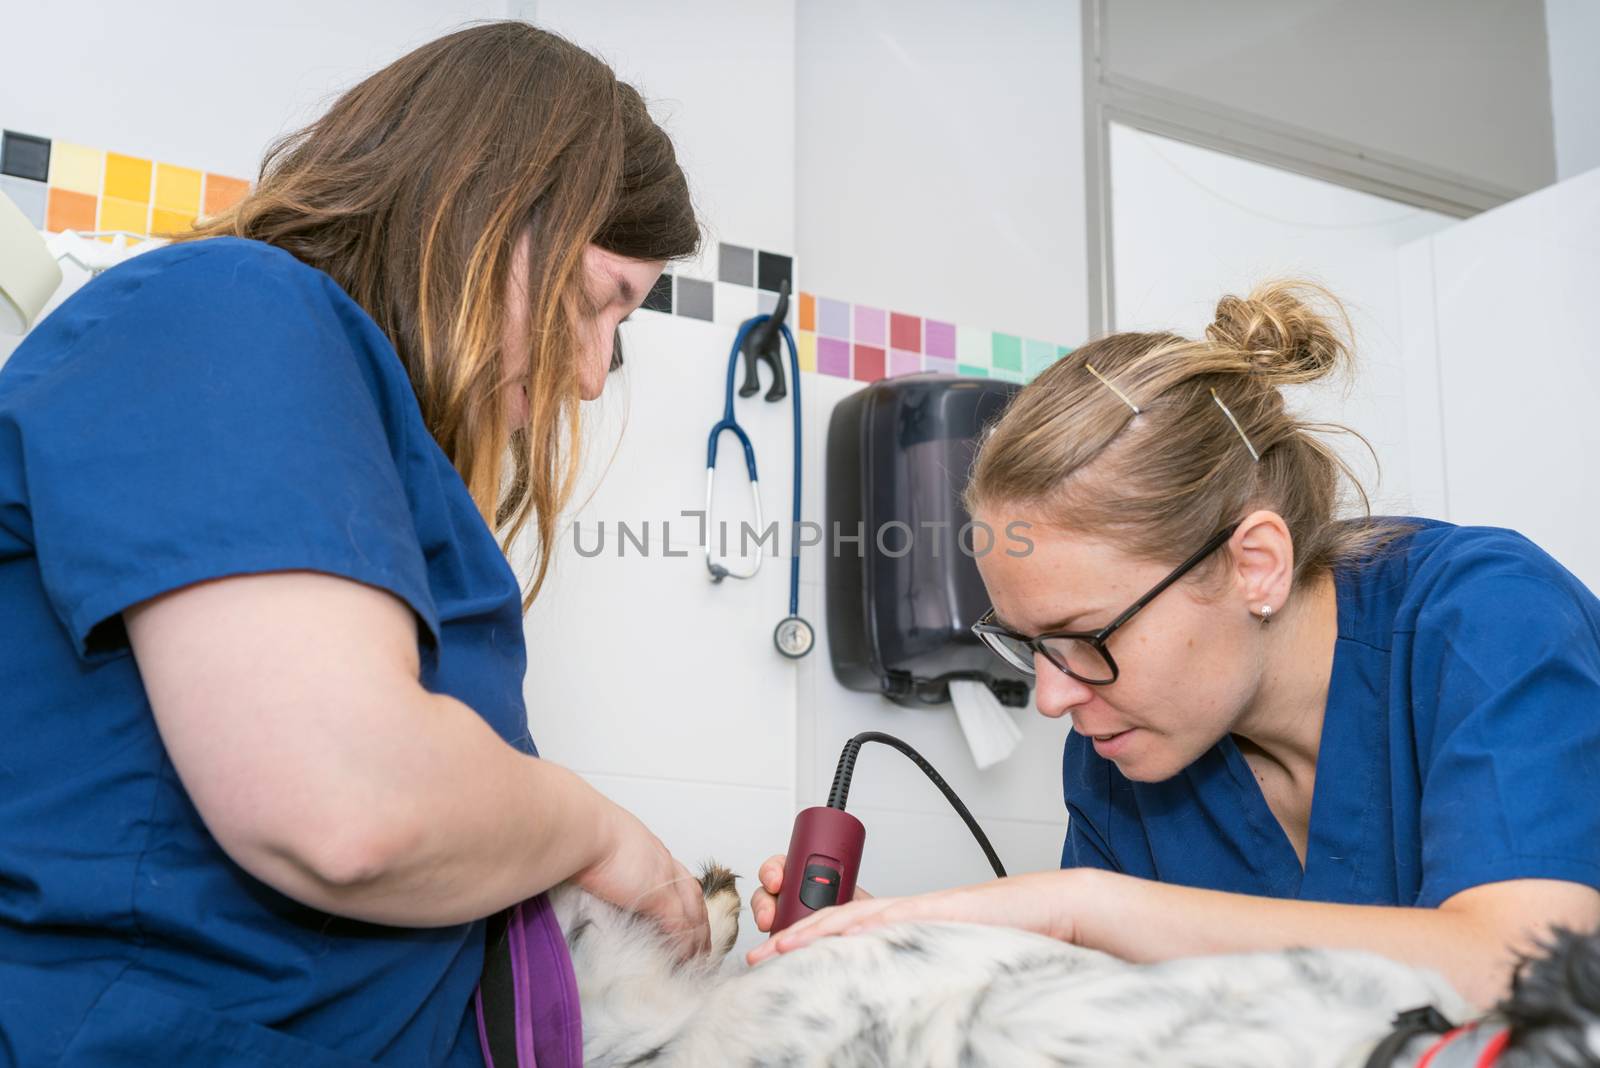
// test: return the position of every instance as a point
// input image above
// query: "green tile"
(1006, 376)
(1007, 353)
(975, 372)
(1037, 355)
(973, 346)
(1063, 350)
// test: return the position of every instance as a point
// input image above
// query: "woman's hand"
(636, 873)
(764, 902)
(1041, 902)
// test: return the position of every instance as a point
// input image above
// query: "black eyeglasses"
(1082, 654)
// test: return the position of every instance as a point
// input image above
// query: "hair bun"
(1285, 330)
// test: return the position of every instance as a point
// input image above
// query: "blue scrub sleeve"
(227, 418)
(1511, 758)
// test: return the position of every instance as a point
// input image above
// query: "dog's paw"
(722, 907)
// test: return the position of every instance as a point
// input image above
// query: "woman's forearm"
(444, 823)
(1473, 948)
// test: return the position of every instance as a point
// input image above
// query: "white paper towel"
(991, 731)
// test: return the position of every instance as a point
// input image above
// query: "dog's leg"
(722, 908)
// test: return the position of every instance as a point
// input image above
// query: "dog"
(951, 994)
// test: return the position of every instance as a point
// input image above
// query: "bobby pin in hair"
(1107, 383)
(1256, 456)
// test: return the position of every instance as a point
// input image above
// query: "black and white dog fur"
(946, 994)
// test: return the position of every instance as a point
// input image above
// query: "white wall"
(940, 157)
(1459, 86)
(1190, 224)
(720, 77)
(1501, 345)
(193, 84)
(1574, 31)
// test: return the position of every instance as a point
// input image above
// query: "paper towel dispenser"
(902, 579)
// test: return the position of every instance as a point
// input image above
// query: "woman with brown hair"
(264, 654)
(1287, 729)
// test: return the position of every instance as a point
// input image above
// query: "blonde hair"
(413, 191)
(1129, 438)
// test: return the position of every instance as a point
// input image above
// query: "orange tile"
(128, 178)
(130, 215)
(177, 189)
(223, 193)
(66, 210)
(808, 312)
(163, 221)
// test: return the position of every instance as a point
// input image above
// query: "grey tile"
(735, 264)
(775, 270)
(24, 156)
(659, 298)
(694, 298)
(29, 196)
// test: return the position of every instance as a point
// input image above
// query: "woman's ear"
(1263, 561)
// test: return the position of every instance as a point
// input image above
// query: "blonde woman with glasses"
(1287, 729)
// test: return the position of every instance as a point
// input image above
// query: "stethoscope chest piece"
(794, 637)
(763, 337)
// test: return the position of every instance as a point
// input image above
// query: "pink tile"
(944, 367)
(939, 339)
(870, 327)
(833, 356)
(905, 332)
(904, 363)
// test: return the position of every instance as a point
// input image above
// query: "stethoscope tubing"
(730, 422)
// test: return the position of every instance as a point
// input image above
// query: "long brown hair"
(1158, 481)
(413, 191)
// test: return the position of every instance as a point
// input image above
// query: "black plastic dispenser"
(901, 600)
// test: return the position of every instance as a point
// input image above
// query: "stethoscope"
(756, 338)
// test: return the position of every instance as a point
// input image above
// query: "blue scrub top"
(1461, 745)
(204, 410)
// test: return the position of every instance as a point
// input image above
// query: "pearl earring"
(1266, 613)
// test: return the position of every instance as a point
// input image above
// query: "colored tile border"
(60, 185)
(86, 188)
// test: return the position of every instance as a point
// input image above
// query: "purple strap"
(548, 1021)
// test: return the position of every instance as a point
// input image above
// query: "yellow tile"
(171, 222)
(178, 189)
(806, 342)
(119, 214)
(76, 168)
(127, 177)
